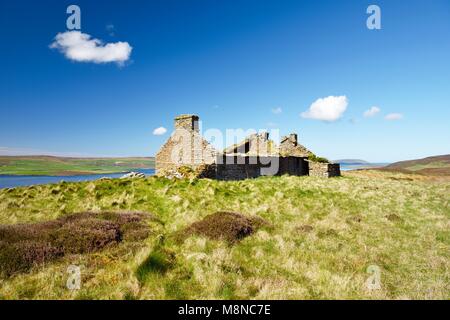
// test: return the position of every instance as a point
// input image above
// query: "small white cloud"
(394, 116)
(371, 112)
(159, 131)
(277, 110)
(216, 106)
(327, 109)
(81, 47)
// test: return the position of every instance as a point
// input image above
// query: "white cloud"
(81, 47)
(394, 116)
(159, 131)
(277, 110)
(327, 109)
(371, 112)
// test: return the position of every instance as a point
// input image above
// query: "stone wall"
(289, 146)
(185, 147)
(261, 145)
(327, 170)
(187, 122)
(255, 144)
(295, 166)
(240, 167)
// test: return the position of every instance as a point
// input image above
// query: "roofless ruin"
(256, 156)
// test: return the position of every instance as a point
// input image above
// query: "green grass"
(431, 165)
(394, 221)
(37, 165)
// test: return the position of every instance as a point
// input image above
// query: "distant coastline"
(358, 164)
(64, 166)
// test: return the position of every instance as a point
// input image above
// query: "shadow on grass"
(158, 262)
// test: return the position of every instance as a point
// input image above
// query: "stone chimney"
(187, 122)
(293, 137)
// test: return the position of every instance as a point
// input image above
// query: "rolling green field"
(56, 166)
(318, 240)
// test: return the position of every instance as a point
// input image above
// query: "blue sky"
(233, 63)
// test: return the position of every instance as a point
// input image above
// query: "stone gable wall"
(184, 148)
(289, 147)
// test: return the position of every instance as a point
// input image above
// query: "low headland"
(64, 166)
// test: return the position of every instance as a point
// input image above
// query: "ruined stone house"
(256, 156)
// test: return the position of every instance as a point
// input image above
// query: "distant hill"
(60, 166)
(433, 166)
(351, 161)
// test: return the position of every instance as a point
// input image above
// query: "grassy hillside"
(437, 165)
(315, 238)
(46, 165)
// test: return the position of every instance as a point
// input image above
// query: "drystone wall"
(240, 167)
(328, 170)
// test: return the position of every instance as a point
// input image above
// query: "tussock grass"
(24, 246)
(323, 236)
(159, 262)
(229, 226)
